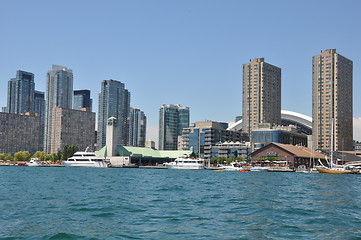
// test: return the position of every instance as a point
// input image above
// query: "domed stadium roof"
(287, 118)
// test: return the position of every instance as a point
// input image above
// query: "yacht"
(85, 159)
(185, 163)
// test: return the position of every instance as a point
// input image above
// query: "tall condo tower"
(114, 101)
(261, 94)
(82, 100)
(39, 108)
(21, 93)
(332, 101)
(59, 93)
(172, 119)
(137, 128)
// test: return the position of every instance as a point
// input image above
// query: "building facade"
(19, 133)
(332, 76)
(82, 100)
(202, 136)
(114, 101)
(137, 128)
(72, 127)
(21, 93)
(279, 134)
(59, 93)
(172, 119)
(231, 150)
(261, 94)
(294, 156)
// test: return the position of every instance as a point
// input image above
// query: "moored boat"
(185, 163)
(280, 169)
(232, 167)
(35, 162)
(259, 169)
(336, 169)
(85, 159)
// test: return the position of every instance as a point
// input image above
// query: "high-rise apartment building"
(72, 127)
(39, 108)
(137, 128)
(172, 119)
(59, 93)
(261, 94)
(114, 101)
(19, 132)
(21, 93)
(332, 101)
(82, 100)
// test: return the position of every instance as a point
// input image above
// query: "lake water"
(86, 203)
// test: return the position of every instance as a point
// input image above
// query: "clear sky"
(187, 52)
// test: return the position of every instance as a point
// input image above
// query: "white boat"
(280, 169)
(185, 163)
(85, 159)
(35, 162)
(232, 167)
(259, 169)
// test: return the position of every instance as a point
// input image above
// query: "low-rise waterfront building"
(293, 155)
(231, 150)
(19, 132)
(122, 156)
(201, 136)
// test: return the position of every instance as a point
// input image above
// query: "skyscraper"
(261, 94)
(332, 101)
(59, 93)
(137, 128)
(114, 101)
(39, 108)
(172, 119)
(82, 100)
(21, 93)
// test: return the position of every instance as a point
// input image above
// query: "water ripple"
(81, 203)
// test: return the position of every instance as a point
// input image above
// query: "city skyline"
(164, 50)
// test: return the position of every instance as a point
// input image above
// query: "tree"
(52, 157)
(22, 156)
(8, 156)
(40, 155)
(68, 151)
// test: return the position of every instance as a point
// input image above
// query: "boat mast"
(331, 144)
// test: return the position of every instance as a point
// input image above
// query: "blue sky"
(182, 52)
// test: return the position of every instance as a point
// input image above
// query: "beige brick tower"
(332, 100)
(261, 94)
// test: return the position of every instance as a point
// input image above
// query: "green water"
(86, 203)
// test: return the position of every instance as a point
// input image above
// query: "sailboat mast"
(332, 143)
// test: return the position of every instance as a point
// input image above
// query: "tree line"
(67, 152)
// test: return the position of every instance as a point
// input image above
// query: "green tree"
(52, 157)
(8, 156)
(40, 155)
(68, 151)
(22, 156)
